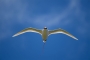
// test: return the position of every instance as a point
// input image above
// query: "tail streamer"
(43, 49)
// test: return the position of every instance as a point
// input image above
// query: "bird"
(45, 32)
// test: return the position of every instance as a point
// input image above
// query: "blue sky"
(70, 15)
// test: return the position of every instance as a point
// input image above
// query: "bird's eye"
(45, 28)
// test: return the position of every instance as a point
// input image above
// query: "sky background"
(70, 15)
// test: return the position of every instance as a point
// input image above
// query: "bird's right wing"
(61, 31)
(28, 30)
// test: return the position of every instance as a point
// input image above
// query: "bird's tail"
(43, 49)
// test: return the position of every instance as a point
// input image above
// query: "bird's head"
(45, 27)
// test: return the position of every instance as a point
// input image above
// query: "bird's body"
(44, 32)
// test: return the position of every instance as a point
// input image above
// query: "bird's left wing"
(28, 30)
(61, 31)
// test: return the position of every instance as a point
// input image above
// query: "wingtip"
(13, 36)
(76, 39)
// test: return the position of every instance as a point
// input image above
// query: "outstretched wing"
(28, 30)
(61, 31)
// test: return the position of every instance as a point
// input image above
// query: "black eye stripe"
(45, 28)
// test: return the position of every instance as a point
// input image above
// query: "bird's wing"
(28, 30)
(61, 31)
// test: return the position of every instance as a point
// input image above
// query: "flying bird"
(45, 32)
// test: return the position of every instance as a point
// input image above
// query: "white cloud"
(22, 16)
(17, 11)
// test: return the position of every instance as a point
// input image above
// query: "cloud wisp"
(19, 11)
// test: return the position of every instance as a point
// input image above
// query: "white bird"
(45, 32)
